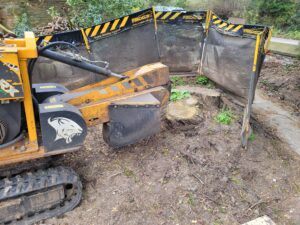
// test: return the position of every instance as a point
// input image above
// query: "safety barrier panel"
(186, 41)
(180, 39)
(229, 54)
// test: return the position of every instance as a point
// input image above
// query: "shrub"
(277, 13)
(87, 13)
(52, 11)
(22, 25)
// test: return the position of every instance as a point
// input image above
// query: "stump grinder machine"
(42, 120)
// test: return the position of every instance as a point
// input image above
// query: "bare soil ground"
(280, 81)
(191, 173)
(194, 172)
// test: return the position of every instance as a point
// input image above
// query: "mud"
(191, 173)
(280, 81)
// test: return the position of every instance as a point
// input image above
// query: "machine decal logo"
(142, 17)
(8, 88)
(65, 128)
(11, 66)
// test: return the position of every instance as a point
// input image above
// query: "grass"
(225, 117)
(178, 95)
(177, 81)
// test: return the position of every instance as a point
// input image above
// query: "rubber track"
(34, 181)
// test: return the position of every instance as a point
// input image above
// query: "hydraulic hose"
(78, 63)
(51, 45)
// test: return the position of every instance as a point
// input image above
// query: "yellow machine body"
(93, 101)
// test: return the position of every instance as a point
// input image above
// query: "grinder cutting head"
(131, 120)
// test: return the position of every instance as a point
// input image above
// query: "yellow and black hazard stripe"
(167, 15)
(103, 29)
(226, 26)
(174, 16)
(106, 27)
(119, 24)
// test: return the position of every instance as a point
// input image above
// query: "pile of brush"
(58, 24)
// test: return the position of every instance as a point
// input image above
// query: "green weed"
(236, 180)
(296, 187)
(252, 137)
(52, 11)
(264, 82)
(217, 222)
(202, 80)
(290, 67)
(128, 172)
(177, 81)
(165, 151)
(191, 199)
(178, 95)
(222, 209)
(224, 117)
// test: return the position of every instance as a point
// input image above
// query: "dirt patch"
(280, 81)
(190, 173)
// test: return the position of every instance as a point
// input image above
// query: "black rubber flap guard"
(132, 120)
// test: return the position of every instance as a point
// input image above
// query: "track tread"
(29, 182)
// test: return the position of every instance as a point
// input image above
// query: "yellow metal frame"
(93, 100)
(154, 18)
(86, 41)
(256, 52)
(268, 41)
(208, 19)
(26, 49)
